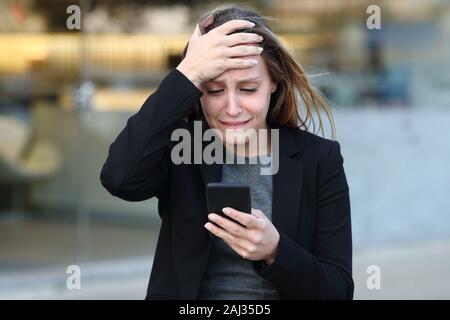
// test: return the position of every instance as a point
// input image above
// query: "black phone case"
(220, 195)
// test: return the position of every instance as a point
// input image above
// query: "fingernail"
(209, 19)
(254, 62)
(260, 49)
(206, 21)
(225, 210)
(251, 24)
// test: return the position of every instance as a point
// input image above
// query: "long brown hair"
(290, 77)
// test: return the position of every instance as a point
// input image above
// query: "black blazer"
(311, 207)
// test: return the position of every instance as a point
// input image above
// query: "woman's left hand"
(258, 240)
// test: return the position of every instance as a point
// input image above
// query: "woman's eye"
(220, 90)
(214, 91)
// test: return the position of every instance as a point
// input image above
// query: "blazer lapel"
(287, 186)
(209, 172)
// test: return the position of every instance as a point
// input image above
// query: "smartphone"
(220, 195)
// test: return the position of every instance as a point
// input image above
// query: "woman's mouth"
(234, 124)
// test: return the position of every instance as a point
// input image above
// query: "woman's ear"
(273, 87)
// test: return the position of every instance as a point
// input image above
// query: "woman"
(296, 243)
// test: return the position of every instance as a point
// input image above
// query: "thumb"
(258, 213)
(200, 27)
(197, 33)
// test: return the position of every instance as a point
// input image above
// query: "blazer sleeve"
(138, 162)
(326, 273)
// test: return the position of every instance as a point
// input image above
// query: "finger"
(243, 51)
(233, 25)
(205, 22)
(228, 225)
(236, 63)
(245, 254)
(221, 233)
(242, 246)
(258, 213)
(243, 218)
(242, 37)
(197, 33)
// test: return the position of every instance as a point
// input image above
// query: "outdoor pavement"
(120, 261)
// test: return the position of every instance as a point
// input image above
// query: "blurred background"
(67, 90)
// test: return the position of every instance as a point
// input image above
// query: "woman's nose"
(233, 108)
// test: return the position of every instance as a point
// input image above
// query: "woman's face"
(238, 99)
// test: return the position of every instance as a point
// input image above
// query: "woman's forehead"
(256, 73)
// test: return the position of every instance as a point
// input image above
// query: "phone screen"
(220, 195)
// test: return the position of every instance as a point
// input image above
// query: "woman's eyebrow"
(249, 79)
(239, 81)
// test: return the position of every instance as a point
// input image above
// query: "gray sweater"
(229, 276)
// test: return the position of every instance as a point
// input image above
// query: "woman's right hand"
(211, 54)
